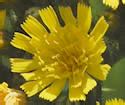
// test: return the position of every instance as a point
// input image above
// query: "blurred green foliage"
(114, 86)
(98, 9)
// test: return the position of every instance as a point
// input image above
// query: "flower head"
(11, 96)
(113, 3)
(64, 54)
(2, 19)
(115, 102)
(2, 42)
(2, 23)
(2, 0)
(3, 92)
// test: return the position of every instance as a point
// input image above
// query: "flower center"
(72, 58)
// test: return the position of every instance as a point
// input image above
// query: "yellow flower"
(97, 103)
(6, 0)
(2, 23)
(1, 40)
(2, 0)
(11, 96)
(3, 92)
(15, 97)
(115, 102)
(113, 3)
(63, 54)
(2, 19)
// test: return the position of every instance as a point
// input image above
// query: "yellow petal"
(50, 19)
(96, 54)
(97, 103)
(2, 41)
(99, 71)
(21, 41)
(99, 30)
(115, 101)
(123, 1)
(34, 28)
(75, 93)
(67, 15)
(2, 19)
(88, 83)
(33, 87)
(97, 48)
(84, 17)
(37, 43)
(3, 87)
(53, 91)
(57, 73)
(76, 79)
(35, 75)
(100, 47)
(22, 65)
(112, 3)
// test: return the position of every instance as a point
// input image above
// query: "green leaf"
(98, 8)
(114, 86)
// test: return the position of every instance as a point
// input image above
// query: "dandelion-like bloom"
(1, 40)
(3, 92)
(15, 97)
(97, 103)
(11, 96)
(65, 54)
(113, 3)
(115, 102)
(2, 23)
(2, 19)
(2, 0)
